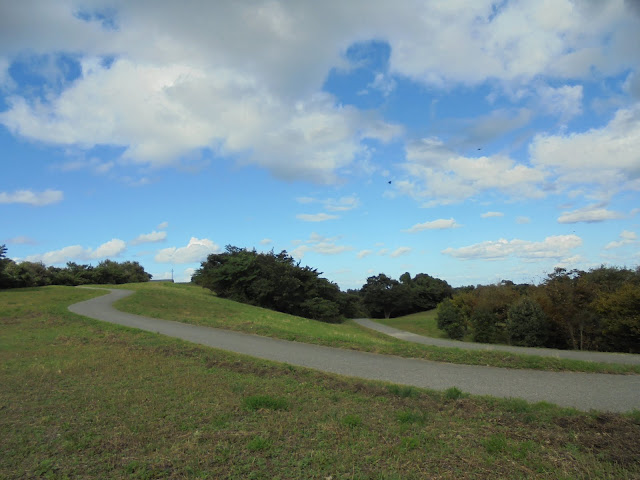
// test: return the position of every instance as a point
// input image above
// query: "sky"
(475, 141)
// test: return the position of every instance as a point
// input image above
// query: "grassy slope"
(190, 304)
(85, 399)
(422, 323)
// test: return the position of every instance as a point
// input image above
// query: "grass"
(422, 323)
(85, 399)
(192, 304)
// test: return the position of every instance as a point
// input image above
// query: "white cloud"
(315, 217)
(626, 238)
(557, 246)
(400, 251)
(161, 113)
(342, 204)
(382, 83)
(486, 128)
(152, 237)
(632, 85)
(266, 241)
(492, 214)
(441, 176)
(196, 250)
(37, 199)
(364, 253)
(439, 224)
(112, 248)
(21, 240)
(590, 214)
(565, 101)
(523, 220)
(605, 158)
(163, 226)
(319, 244)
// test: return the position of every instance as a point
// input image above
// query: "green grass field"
(192, 304)
(85, 399)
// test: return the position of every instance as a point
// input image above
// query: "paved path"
(603, 357)
(584, 391)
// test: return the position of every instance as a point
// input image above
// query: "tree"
(271, 280)
(451, 319)
(527, 324)
(620, 311)
(383, 295)
(3, 251)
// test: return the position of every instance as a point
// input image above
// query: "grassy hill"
(85, 399)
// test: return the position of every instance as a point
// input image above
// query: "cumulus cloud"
(196, 250)
(441, 176)
(152, 237)
(110, 249)
(440, 224)
(162, 113)
(37, 199)
(316, 217)
(565, 101)
(606, 157)
(319, 244)
(626, 238)
(557, 246)
(589, 214)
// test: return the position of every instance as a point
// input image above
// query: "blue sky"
(471, 140)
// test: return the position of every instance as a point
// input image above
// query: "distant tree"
(488, 312)
(620, 312)
(527, 324)
(27, 274)
(3, 251)
(451, 319)
(383, 296)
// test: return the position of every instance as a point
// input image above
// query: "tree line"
(36, 274)
(596, 310)
(276, 281)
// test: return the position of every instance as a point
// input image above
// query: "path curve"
(584, 391)
(603, 357)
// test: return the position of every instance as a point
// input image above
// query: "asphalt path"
(584, 391)
(604, 357)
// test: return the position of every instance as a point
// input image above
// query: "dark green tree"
(451, 319)
(271, 280)
(527, 325)
(383, 296)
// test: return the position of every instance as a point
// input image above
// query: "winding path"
(584, 391)
(603, 357)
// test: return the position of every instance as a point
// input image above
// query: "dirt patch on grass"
(614, 438)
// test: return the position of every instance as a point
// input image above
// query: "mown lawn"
(192, 304)
(85, 399)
